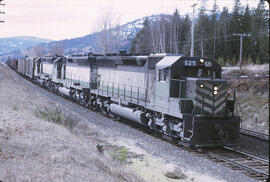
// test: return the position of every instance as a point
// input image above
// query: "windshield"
(197, 72)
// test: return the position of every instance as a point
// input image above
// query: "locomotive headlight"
(201, 85)
(215, 88)
(215, 92)
(201, 60)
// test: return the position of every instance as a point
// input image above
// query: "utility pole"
(192, 32)
(214, 15)
(201, 47)
(1, 12)
(241, 45)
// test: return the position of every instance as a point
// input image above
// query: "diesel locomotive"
(175, 95)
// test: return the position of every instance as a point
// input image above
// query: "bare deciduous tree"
(110, 38)
(56, 49)
(37, 51)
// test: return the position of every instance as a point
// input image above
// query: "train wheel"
(169, 128)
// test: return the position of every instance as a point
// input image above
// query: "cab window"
(163, 74)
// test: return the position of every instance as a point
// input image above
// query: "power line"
(251, 34)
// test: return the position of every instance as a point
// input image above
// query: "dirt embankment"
(252, 102)
(33, 149)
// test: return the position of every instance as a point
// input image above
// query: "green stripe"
(212, 98)
(204, 95)
(219, 105)
(220, 85)
(204, 87)
(220, 96)
(199, 111)
(204, 103)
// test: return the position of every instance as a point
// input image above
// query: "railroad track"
(247, 164)
(246, 77)
(254, 134)
(252, 166)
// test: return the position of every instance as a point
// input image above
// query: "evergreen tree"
(260, 31)
(235, 24)
(214, 25)
(201, 33)
(185, 36)
(142, 42)
(176, 32)
(224, 29)
(213, 34)
(246, 28)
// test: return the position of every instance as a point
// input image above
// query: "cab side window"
(163, 74)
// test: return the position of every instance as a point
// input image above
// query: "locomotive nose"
(219, 131)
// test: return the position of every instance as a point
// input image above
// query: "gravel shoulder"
(145, 154)
(33, 149)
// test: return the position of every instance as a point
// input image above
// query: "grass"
(56, 115)
(121, 154)
(15, 108)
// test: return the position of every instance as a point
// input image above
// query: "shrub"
(221, 61)
(15, 108)
(56, 115)
(120, 154)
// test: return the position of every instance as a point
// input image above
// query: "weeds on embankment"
(120, 154)
(15, 108)
(56, 115)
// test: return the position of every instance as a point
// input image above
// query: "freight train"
(175, 95)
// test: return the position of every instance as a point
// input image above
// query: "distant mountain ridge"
(11, 46)
(88, 43)
(19, 46)
(13, 43)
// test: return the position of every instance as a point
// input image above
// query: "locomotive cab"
(38, 67)
(59, 69)
(194, 87)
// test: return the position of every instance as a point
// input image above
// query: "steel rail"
(252, 165)
(254, 134)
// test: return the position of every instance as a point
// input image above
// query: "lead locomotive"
(179, 96)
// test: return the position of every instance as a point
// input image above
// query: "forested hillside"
(217, 34)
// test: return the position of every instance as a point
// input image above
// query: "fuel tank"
(64, 91)
(128, 113)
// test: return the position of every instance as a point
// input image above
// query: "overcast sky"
(62, 19)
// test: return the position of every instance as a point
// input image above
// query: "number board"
(207, 64)
(190, 63)
(194, 63)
